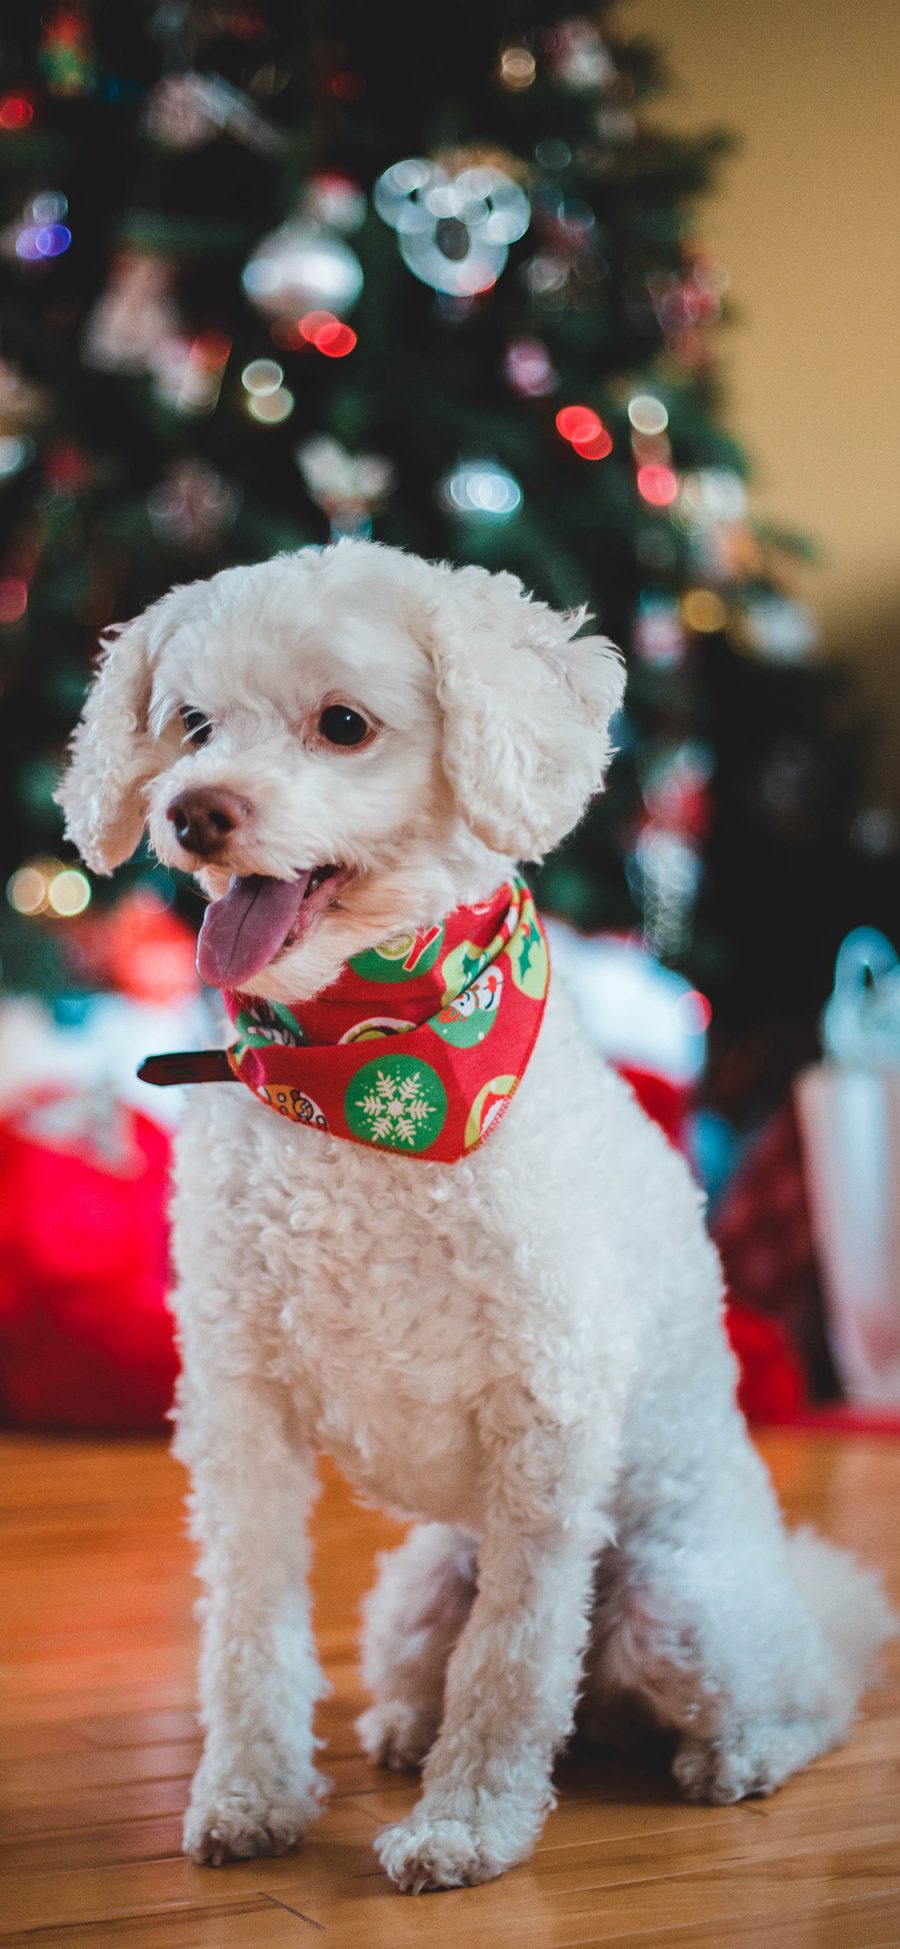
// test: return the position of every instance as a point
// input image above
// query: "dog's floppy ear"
(527, 706)
(110, 754)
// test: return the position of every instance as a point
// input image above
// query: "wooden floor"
(99, 1741)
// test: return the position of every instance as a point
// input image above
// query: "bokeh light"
(270, 408)
(27, 891)
(703, 611)
(647, 414)
(69, 893)
(262, 376)
(657, 485)
(481, 487)
(13, 599)
(585, 431)
(16, 111)
(518, 68)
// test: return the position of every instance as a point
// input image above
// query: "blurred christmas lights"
(481, 487)
(647, 414)
(16, 111)
(585, 431)
(262, 376)
(703, 611)
(43, 234)
(529, 369)
(47, 886)
(657, 485)
(517, 67)
(270, 408)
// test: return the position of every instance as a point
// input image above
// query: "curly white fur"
(523, 1350)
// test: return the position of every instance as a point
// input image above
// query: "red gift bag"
(86, 1340)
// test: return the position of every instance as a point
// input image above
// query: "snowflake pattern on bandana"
(419, 1045)
(397, 1101)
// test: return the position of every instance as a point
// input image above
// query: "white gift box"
(848, 1110)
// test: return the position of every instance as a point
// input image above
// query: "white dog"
(523, 1348)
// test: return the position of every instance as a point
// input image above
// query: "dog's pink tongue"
(242, 931)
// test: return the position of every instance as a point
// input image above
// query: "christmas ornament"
(481, 488)
(529, 369)
(577, 56)
(66, 52)
(193, 506)
(454, 229)
(348, 487)
(420, 1044)
(302, 267)
(135, 317)
(183, 111)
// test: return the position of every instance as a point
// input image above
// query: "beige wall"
(807, 222)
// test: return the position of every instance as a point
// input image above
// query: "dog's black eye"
(196, 724)
(340, 725)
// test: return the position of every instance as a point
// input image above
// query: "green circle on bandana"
(465, 1028)
(386, 962)
(488, 1105)
(397, 1103)
(528, 956)
(461, 966)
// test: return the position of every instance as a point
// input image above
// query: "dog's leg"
(256, 1790)
(752, 1647)
(513, 1677)
(413, 1618)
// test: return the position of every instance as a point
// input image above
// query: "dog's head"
(339, 744)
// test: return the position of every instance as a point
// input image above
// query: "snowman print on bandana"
(470, 1018)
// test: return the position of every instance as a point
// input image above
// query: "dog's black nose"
(205, 818)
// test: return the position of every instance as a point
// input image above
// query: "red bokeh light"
(596, 446)
(13, 599)
(326, 332)
(585, 431)
(578, 423)
(16, 112)
(336, 341)
(658, 485)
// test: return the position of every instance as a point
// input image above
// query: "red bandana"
(419, 1044)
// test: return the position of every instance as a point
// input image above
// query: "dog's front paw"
(450, 1851)
(396, 1734)
(233, 1819)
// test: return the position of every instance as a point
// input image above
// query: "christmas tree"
(274, 273)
